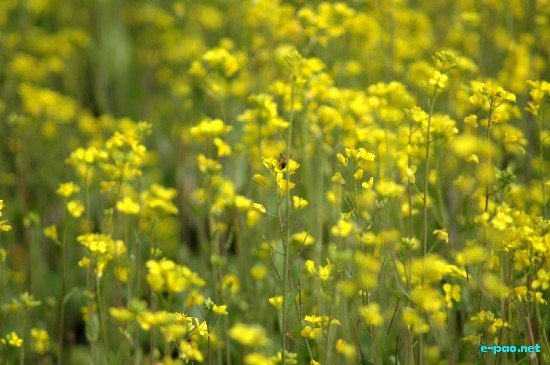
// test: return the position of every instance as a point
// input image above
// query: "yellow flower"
(260, 179)
(311, 333)
(310, 267)
(371, 314)
(442, 235)
(471, 120)
(303, 238)
(258, 272)
(40, 342)
(342, 229)
(189, 351)
(342, 159)
(220, 310)
(277, 301)
(67, 189)
(346, 349)
(285, 186)
(368, 184)
(472, 158)
(122, 314)
(299, 203)
(248, 335)
(14, 340)
(75, 208)
(128, 206)
(51, 232)
(324, 272)
(452, 292)
(223, 148)
(85, 263)
(337, 178)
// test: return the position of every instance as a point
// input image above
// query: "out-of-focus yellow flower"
(128, 206)
(67, 189)
(471, 120)
(220, 310)
(51, 232)
(75, 208)
(258, 272)
(371, 314)
(248, 335)
(346, 349)
(311, 333)
(299, 203)
(303, 238)
(452, 293)
(276, 301)
(40, 343)
(473, 158)
(442, 235)
(13, 339)
(343, 228)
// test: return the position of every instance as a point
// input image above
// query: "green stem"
(102, 318)
(286, 236)
(431, 103)
(541, 159)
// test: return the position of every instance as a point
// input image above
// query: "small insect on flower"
(282, 161)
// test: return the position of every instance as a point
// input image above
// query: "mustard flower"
(75, 208)
(311, 333)
(346, 349)
(248, 335)
(13, 339)
(51, 232)
(303, 238)
(337, 178)
(128, 206)
(189, 351)
(220, 310)
(258, 272)
(276, 301)
(442, 235)
(299, 203)
(40, 343)
(371, 314)
(452, 293)
(68, 189)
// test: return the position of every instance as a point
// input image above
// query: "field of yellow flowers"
(264, 182)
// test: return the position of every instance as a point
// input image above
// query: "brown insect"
(282, 161)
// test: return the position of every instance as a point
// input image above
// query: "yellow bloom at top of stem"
(371, 314)
(220, 310)
(490, 96)
(67, 189)
(442, 235)
(51, 232)
(41, 339)
(210, 128)
(311, 333)
(13, 339)
(299, 203)
(128, 206)
(452, 293)
(75, 208)
(276, 301)
(248, 335)
(4, 226)
(539, 90)
(438, 80)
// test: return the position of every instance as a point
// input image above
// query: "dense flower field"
(268, 182)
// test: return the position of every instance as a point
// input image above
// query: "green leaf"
(92, 328)
(290, 299)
